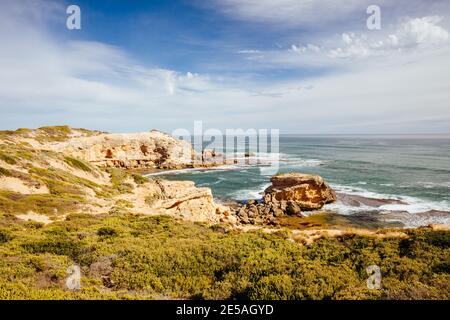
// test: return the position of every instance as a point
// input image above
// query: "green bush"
(5, 236)
(128, 256)
(107, 232)
(139, 179)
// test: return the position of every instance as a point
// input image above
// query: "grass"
(7, 158)
(126, 256)
(48, 204)
(139, 179)
(53, 133)
(118, 178)
(79, 164)
(5, 172)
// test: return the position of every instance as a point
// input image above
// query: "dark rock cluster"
(289, 194)
(258, 213)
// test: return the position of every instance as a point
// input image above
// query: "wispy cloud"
(323, 13)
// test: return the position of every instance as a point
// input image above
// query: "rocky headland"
(50, 172)
(76, 197)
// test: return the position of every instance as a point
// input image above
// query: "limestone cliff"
(143, 150)
(50, 172)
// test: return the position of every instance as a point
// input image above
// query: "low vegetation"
(132, 257)
(79, 164)
(139, 179)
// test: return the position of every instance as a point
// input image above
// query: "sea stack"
(309, 192)
(289, 195)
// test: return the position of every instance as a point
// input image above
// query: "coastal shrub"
(5, 172)
(48, 204)
(53, 133)
(5, 236)
(58, 246)
(107, 232)
(79, 164)
(129, 256)
(7, 158)
(139, 179)
(124, 203)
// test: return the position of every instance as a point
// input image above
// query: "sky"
(300, 66)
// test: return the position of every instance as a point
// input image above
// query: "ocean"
(401, 179)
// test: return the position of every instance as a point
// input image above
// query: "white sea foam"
(405, 212)
(208, 184)
(300, 162)
(431, 185)
(387, 184)
(345, 209)
(253, 193)
(411, 220)
(193, 170)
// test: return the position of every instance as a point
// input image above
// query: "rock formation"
(310, 192)
(289, 195)
(181, 199)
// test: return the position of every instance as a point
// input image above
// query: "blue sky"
(301, 66)
(184, 36)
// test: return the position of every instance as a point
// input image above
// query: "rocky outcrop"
(309, 192)
(182, 199)
(130, 150)
(267, 213)
(288, 196)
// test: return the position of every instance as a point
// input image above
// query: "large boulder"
(309, 192)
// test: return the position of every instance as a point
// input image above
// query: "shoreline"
(358, 210)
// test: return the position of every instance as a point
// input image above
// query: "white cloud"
(413, 34)
(423, 32)
(308, 48)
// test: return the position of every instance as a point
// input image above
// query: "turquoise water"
(415, 170)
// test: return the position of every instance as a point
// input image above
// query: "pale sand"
(18, 186)
(31, 216)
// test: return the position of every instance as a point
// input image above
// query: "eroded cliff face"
(145, 150)
(181, 199)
